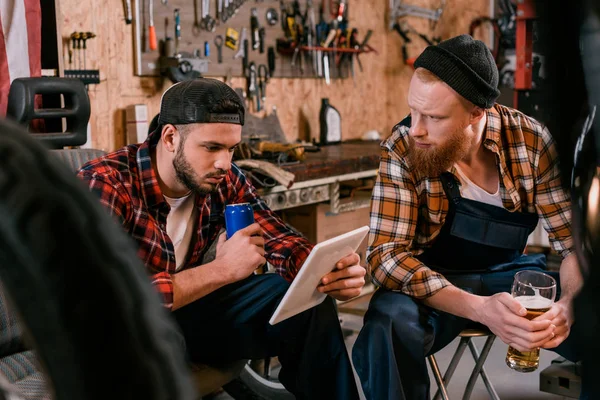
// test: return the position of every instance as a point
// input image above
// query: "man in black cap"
(169, 193)
(461, 185)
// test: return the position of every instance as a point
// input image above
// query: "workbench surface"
(339, 159)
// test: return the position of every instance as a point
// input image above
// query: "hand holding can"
(238, 216)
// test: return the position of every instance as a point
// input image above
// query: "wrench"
(219, 45)
(225, 11)
(208, 22)
(197, 25)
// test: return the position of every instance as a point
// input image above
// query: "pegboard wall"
(194, 38)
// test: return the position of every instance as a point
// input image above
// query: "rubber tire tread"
(246, 387)
(82, 293)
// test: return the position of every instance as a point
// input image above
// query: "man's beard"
(437, 159)
(185, 174)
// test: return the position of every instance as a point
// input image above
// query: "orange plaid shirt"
(408, 210)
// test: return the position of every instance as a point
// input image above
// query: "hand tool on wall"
(219, 45)
(74, 36)
(261, 34)
(271, 60)
(362, 46)
(245, 45)
(206, 49)
(263, 79)
(196, 28)
(219, 10)
(225, 12)
(271, 16)
(84, 37)
(252, 86)
(127, 7)
(240, 52)
(208, 22)
(177, 29)
(254, 29)
(151, 31)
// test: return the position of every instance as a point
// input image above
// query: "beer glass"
(536, 292)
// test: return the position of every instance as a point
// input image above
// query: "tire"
(83, 296)
(252, 385)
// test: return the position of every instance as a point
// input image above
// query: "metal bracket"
(397, 10)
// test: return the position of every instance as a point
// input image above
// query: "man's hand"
(241, 254)
(505, 317)
(346, 281)
(561, 316)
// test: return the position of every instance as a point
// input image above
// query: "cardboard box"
(318, 224)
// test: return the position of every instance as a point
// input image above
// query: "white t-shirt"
(470, 190)
(181, 225)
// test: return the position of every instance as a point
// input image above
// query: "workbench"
(318, 177)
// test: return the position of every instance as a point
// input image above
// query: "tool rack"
(193, 41)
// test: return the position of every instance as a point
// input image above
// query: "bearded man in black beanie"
(462, 183)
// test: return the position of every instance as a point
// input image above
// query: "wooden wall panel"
(376, 100)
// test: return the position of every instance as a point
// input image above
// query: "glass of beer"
(536, 291)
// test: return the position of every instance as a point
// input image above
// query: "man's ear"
(169, 137)
(476, 114)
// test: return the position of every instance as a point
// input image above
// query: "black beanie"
(467, 66)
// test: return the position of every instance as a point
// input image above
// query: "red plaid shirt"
(127, 186)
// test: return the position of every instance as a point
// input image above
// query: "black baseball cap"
(192, 101)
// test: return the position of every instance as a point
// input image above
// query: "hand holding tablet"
(302, 293)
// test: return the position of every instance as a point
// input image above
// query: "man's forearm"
(456, 302)
(571, 279)
(191, 284)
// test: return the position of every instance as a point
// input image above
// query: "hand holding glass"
(536, 291)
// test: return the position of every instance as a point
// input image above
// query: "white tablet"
(302, 293)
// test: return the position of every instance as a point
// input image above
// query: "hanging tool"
(74, 37)
(127, 6)
(261, 35)
(361, 47)
(84, 37)
(245, 57)
(240, 52)
(271, 16)
(79, 38)
(151, 31)
(208, 22)
(177, 29)
(263, 79)
(206, 49)
(225, 13)
(271, 60)
(326, 68)
(339, 12)
(397, 10)
(254, 29)
(219, 45)
(219, 10)
(196, 28)
(252, 87)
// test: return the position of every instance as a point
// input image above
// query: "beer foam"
(534, 302)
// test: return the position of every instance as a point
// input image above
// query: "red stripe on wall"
(33, 16)
(4, 76)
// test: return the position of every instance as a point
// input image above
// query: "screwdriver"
(177, 29)
(151, 31)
